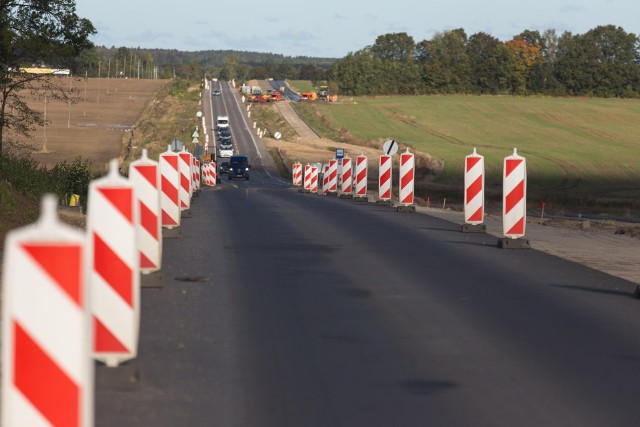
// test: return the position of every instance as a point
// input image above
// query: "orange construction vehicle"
(276, 96)
(311, 96)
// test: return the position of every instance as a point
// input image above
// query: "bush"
(72, 178)
(29, 178)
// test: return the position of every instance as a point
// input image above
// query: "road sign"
(176, 145)
(339, 153)
(277, 135)
(390, 147)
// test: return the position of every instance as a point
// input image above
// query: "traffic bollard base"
(506, 243)
(474, 228)
(345, 196)
(124, 377)
(406, 208)
(171, 233)
(384, 202)
(152, 280)
(185, 213)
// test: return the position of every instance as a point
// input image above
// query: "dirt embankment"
(106, 111)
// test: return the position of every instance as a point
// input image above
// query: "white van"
(222, 122)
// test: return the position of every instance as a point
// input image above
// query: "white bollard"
(47, 370)
(296, 174)
(314, 179)
(474, 188)
(384, 180)
(346, 180)
(144, 175)
(514, 197)
(361, 176)
(407, 178)
(114, 275)
(170, 182)
(333, 176)
(186, 188)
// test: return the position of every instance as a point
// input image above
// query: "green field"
(576, 149)
(302, 85)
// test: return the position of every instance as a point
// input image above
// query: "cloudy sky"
(333, 28)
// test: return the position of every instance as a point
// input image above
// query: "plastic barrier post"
(195, 168)
(296, 172)
(205, 174)
(213, 172)
(384, 181)
(514, 198)
(325, 179)
(186, 189)
(361, 176)
(307, 177)
(314, 179)
(114, 274)
(346, 181)
(144, 175)
(47, 371)
(407, 178)
(474, 194)
(170, 182)
(333, 176)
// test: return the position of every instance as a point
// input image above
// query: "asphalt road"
(288, 309)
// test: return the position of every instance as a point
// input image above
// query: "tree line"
(127, 62)
(603, 62)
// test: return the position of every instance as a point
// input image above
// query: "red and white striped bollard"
(307, 177)
(332, 182)
(514, 197)
(114, 272)
(361, 176)
(47, 370)
(186, 189)
(474, 188)
(384, 179)
(144, 175)
(346, 181)
(296, 174)
(314, 179)
(170, 183)
(407, 178)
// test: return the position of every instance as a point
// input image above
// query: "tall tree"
(399, 47)
(445, 62)
(35, 32)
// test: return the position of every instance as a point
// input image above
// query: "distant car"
(224, 132)
(224, 168)
(216, 92)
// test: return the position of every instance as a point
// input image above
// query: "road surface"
(289, 309)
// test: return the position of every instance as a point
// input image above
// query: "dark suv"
(239, 167)
(224, 168)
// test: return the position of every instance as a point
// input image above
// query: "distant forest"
(224, 64)
(603, 62)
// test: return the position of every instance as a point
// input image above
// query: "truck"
(323, 92)
(239, 167)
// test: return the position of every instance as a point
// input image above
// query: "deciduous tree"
(35, 32)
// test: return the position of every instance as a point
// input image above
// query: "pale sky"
(333, 28)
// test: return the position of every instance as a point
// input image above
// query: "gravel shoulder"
(602, 247)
